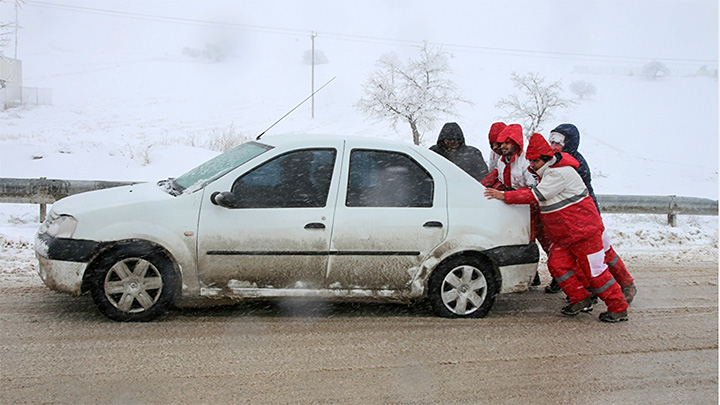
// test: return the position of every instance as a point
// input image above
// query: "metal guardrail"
(46, 191)
(649, 204)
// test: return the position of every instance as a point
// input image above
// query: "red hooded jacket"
(567, 212)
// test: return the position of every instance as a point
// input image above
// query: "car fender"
(180, 248)
(168, 223)
(479, 246)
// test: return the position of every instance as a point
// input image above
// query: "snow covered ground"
(143, 90)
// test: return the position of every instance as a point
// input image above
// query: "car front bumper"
(62, 262)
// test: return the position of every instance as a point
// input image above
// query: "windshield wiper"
(170, 186)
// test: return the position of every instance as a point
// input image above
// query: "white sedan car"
(292, 217)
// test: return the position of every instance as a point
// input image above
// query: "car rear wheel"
(134, 283)
(462, 288)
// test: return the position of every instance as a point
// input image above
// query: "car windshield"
(218, 166)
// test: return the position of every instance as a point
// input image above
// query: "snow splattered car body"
(312, 217)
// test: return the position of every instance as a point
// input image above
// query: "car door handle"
(433, 224)
(315, 225)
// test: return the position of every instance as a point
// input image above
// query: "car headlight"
(62, 227)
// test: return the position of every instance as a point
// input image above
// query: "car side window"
(387, 179)
(298, 179)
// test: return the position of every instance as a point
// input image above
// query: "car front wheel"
(134, 283)
(462, 288)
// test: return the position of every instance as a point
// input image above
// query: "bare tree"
(539, 102)
(6, 31)
(417, 92)
(8, 28)
(582, 88)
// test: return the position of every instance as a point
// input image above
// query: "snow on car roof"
(289, 138)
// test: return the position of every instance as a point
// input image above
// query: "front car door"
(275, 232)
(391, 212)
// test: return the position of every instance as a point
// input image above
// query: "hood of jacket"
(560, 159)
(565, 159)
(514, 133)
(452, 131)
(572, 137)
(495, 130)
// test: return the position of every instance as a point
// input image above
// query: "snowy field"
(147, 90)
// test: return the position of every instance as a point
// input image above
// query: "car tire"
(134, 283)
(462, 287)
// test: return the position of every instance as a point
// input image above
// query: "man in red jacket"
(566, 138)
(495, 153)
(511, 171)
(573, 226)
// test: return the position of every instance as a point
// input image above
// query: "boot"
(593, 298)
(613, 317)
(574, 309)
(553, 288)
(629, 292)
(536, 280)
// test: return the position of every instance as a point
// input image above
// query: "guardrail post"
(672, 215)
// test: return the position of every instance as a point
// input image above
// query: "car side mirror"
(223, 199)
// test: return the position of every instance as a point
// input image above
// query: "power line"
(175, 20)
(362, 38)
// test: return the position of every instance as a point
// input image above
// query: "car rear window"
(387, 179)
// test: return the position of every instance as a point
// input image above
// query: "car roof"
(302, 139)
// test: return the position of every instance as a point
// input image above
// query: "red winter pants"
(615, 263)
(588, 259)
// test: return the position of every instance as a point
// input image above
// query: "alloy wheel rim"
(464, 290)
(133, 285)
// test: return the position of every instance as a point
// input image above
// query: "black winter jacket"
(468, 158)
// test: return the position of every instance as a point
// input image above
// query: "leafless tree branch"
(538, 105)
(417, 92)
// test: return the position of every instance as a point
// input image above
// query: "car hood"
(111, 198)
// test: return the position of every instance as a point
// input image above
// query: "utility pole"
(312, 73)
(16, 26)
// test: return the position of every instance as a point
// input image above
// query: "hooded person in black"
(451, 145)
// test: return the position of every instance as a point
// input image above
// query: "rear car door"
(391, 211)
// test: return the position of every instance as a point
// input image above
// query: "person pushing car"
(572, 224)
(451, 145)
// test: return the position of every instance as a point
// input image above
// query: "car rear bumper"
(518, 265)
(513, 255)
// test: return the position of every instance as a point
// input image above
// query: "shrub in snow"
(320, 58)
(582, 88)
(224, 139)
(140, 152)
(655, 69)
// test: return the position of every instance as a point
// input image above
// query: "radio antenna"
(294, 108)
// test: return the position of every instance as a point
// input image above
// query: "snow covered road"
(59, 349)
